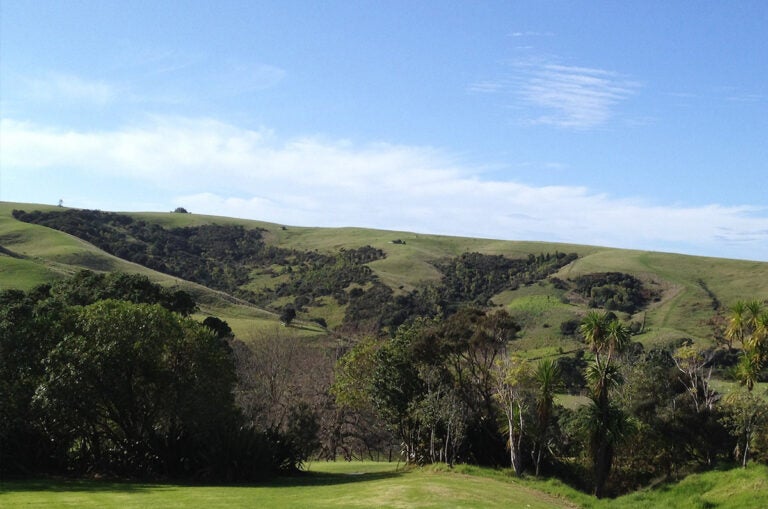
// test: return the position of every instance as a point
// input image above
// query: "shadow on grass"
(325, 479)
(78, 485)
(99, 486)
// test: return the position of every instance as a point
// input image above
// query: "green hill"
(687, 290)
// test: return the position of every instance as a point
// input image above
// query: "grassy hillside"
(689, 286)
(31, 255)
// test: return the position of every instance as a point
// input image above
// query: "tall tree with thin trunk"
(512, 391)
(606, 338)
(547, 377)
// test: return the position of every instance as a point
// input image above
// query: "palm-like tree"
(602, 376)
(748, 323)
(605, 337)
(607, 422)
(748, 370)
(607, 426)
(594, 328)
(547, 377)
(737, 322)
(618, 337)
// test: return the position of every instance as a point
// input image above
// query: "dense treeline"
(451, 390)
(107, 374)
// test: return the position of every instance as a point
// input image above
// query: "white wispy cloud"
(571, 96)
(217, 168)
(563, 96)
(71, 88)
(530, 33)
(487, 87)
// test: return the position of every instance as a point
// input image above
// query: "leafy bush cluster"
(432, 385)
(323, 275)
(103, 374)
(476, 277)
(613, 291)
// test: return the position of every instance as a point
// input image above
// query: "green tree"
(695, 377)
(605, 337)
(746, 417)
(514, 387)
(137, 389)
(396, 385)
(29, 326)
(547, 377)
(287, 315)
(748, 324)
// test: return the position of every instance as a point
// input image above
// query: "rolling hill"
(684, 291)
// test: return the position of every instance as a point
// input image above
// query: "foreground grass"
(365, 484)
(737, 488)
(325, 486)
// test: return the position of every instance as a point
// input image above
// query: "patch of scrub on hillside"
(87, 260)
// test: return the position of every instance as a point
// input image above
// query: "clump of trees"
(107, 374)
(432, 385)
(613, 291)
(451, 389)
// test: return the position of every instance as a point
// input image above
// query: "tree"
(287, 315)
(219, 327)
(691, 363)
(748, 324)
(513, 392)
(606, 337)
(471, 341)
(29, 326)
(396, 384)
(603, 334)
(356, 425)
(547, 377)
(137, 389)
(746, 415)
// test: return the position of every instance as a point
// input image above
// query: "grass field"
(328, 485)
(369, 485)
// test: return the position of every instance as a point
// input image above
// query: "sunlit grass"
(327, 485)
(368, 484)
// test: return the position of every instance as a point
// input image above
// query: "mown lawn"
(365, 484)
(369, 485)
(326, 486)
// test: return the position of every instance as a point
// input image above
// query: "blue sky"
(635, 124)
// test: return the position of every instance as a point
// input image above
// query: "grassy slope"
(682, 312)
(39, 255)
(342, 484)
